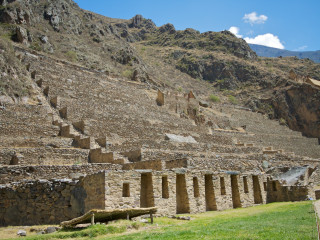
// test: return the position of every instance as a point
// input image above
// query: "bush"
(232, 99)
(72, 56)
(214, 98)
(127, 73)
(282, 121)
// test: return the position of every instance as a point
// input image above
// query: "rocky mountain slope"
(211, 63)
(264, 51)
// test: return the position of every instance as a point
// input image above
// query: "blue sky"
(287, 24)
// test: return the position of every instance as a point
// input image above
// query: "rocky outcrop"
(22, 35)
(139, 21)
(226, 74)
(167, 28)
(61, 14)
(14, 15)
(209, 41)
(299, 106)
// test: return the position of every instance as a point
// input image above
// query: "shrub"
(72, 56)
(127, 73)
(232, 99)
(214, 98)
(282, 121)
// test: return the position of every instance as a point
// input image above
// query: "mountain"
(161, 57)
(264, 51)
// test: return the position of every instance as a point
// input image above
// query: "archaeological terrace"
(91, 140)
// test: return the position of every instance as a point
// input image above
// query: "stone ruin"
(94, 142)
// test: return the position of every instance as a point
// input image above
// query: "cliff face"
(299, 106)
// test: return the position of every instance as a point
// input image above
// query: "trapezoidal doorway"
(235, 192)
(182, 194)
(146, 191)
(211, 204)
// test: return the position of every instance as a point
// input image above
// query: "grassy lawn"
(272, 221)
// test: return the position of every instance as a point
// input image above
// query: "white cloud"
(235, 31)
(253, 18)
(267, 39)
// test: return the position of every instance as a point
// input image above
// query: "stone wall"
(94, 186)
(278, 193)
(45, 156)
(182, 190)
(153, 165)
(18, 173)
(50, 202)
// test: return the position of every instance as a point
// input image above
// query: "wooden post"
(128, 217)
(92, 219)
(151, 217)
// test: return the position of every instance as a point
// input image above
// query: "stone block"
(39, 82)
(80, 126)
(97, 156)
(46, 91)
(133, 156)
(84, 143)
(65, 131)
(55, 102)
(64, 112)
(160, 98)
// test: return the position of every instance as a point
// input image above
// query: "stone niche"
(182, 190)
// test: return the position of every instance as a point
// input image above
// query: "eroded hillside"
(210, 63)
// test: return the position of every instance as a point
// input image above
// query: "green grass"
(232, 99)
(214, 98)
(273, 221)
(72, 56)
(90, 232)
(290, 220)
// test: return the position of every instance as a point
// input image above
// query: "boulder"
(181, 139)
(204, 104)
(44, 39)
(51, 230)
(6, 100)
(22, 233)
(16, 159)
(22, 35)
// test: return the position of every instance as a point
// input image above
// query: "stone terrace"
(123, 118)
(265, 132)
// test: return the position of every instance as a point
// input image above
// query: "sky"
(286, 24)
